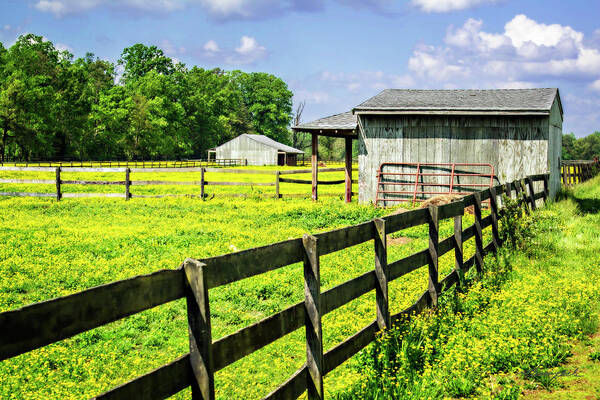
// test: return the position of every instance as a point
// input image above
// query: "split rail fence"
(41, 324)
(58, 182)
(225, 162)
(577, 171)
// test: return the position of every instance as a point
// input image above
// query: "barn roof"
(343, 124)
(495, 101)
(272, 143)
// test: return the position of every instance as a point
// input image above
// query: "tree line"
(585, 148)
(146, 106)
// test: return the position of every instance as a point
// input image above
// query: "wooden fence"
(577, 171)
(58, 182)
(226, 162)
(41, 324)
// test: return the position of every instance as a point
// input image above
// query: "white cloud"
(595, 85)
(63, 47)
(170, 48)
(526, 51)
(442, 6)
(211, 46)
(249, 51)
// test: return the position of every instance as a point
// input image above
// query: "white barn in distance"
(517, 131)
(257, 150)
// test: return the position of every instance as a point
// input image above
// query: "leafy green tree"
(139, 59)
(269, 102)
(568, 146)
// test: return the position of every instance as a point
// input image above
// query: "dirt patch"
(398, 241)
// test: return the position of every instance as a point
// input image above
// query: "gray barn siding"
(515, 146)
(555, 147)
(245, 148)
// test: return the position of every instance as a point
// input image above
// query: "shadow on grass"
(585, 205)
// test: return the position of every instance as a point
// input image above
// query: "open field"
(529, 327)
(51, 249)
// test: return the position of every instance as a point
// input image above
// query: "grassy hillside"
(50, 249)
(513, 332)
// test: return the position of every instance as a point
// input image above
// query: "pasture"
(50, 249)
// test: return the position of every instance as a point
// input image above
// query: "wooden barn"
(429, 142)
(257, 150)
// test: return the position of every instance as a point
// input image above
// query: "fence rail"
(225, 162)
(127, 182)
(577, 171)
(40, 324)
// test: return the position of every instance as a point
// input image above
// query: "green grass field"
(50, 249)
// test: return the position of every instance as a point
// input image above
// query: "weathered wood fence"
(58, 182)
(41, 324)
(577, 171)
(225, 162)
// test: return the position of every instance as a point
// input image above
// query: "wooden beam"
(314, 330)
(315, 167)
(348, 170)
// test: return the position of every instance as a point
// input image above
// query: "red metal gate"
(416, 181)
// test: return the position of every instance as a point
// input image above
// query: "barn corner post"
(199, 330)
(315, 166)
(348, 170)
(314, 330)
(433, 285)
(382, 274)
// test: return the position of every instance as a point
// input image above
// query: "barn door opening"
(281, 159)
(414, 182)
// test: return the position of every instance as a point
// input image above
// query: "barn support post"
(314, 329)
(434, 245)
(315, 166)
(199, 330)
(382, 274)
(348, 170)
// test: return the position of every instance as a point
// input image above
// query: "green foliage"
(54, 107)
(516, 227)
(585, 148)
(594, 355)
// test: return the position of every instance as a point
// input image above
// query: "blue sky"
(334, 54)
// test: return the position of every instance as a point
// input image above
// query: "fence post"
(202, 183)
(127, 182)
(546, 192)
(382, 274)
(58, 192)
(508, 190)
(277, 195)
(494, 214)
(458, 247)
(531, 192)
(314, 331)
(199, 330)
(478, 233)
(520, 186)
(433, 286)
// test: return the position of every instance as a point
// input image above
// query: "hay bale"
(440, 200)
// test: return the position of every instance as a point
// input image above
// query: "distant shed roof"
(338, 123)
(272, 143)
(496, 101)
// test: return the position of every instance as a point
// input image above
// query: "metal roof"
(461, 101)
(272, 143)
(343, 121)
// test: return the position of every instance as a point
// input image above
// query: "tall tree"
(269, 102)
(139, 59)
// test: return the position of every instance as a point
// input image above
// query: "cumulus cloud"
(442, 6)
(526, 51)
(171, 49)
(595, 85)
(249, 51)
